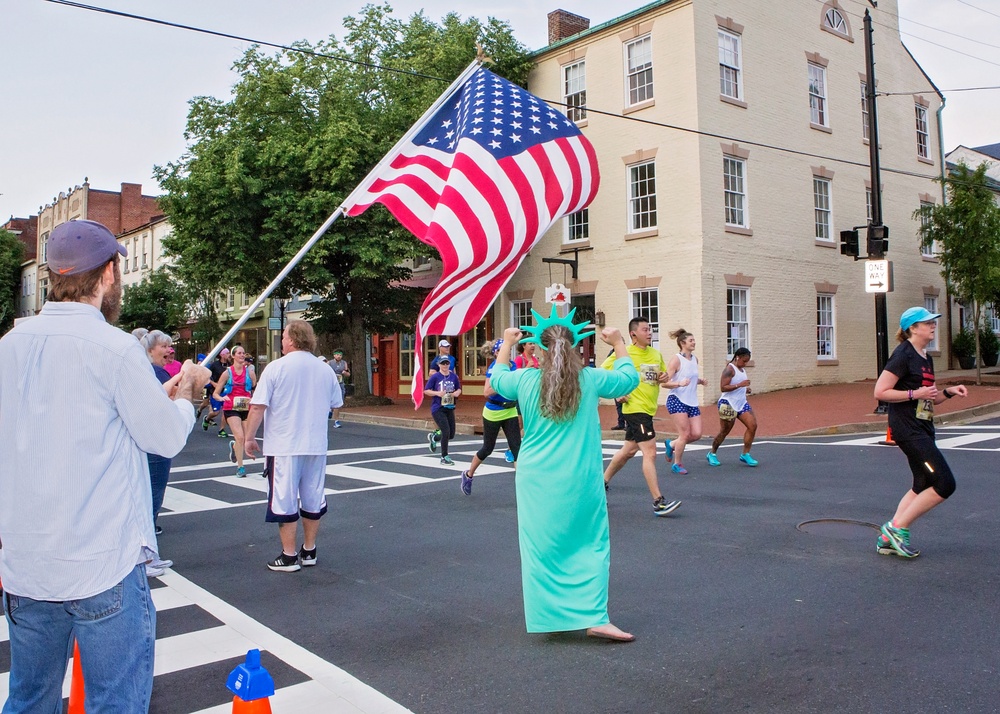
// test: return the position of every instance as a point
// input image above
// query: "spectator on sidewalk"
(639, 407)
(294, 395)
(562, 512)
(735, 387)
(170, 363)
(908, 386)
(342, 370)
(76, 520)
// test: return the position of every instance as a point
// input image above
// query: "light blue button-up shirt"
(79, 410)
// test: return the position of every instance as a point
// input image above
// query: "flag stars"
(496, 132)
(535, 130)
(515, 125)
(516, 138)
(495, 144)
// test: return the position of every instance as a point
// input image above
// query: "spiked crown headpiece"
(543, 323)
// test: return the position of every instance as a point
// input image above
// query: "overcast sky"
(90, 94)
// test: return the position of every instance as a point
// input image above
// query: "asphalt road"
(737, 603)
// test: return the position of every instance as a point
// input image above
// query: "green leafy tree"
(265, 169)
(158, 302)
(966, 233)
(11, 257)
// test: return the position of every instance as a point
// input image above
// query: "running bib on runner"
(650, 373)
(241, 404)
(925, 409)
(726, 412)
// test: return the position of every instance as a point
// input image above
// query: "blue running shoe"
(508, 456)
(466, 483)
(670, 450)
(446, 461)
(432, 442)
(748, 459)
(678, 469)
(241, 472)
(713, 460)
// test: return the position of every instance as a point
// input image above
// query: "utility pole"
(877, 232)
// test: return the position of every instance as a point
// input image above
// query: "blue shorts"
(676, 406)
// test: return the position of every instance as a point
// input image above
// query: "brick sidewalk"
(834, 408)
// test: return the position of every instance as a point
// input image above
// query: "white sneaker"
(160, 563)
(152, 572)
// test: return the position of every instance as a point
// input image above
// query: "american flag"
(480, 181)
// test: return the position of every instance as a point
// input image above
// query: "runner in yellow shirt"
(638, 409)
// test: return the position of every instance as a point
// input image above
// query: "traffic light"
(878, 240)
(849, 243)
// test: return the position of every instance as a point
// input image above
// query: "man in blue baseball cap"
(76, 516)
(908, 386)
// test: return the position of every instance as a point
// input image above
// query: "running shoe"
(152, 572)
(307, 557)
(223, 434)
(663, 508)
(446, 460)
(466, 483)
(670, 451)
(285, 563)
(898, 540)
(241, 472)
(158, 530)
(337, 424)
(204, 424)
(232, 451)
(678, 469)
(713, 460)
(433, 445)
(748, 459)
(158, 563)
(883, 546)
(508, 456)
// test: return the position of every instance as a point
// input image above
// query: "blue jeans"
(159, 474)
(116, 631)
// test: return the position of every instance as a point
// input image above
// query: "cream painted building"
(733, 150)
(145, 250)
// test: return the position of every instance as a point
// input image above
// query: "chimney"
(563, 24)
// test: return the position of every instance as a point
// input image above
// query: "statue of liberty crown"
(553, 319)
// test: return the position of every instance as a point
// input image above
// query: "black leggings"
(445, 419)
(511, 429)
(929, 468)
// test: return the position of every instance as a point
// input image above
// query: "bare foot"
(610, 632)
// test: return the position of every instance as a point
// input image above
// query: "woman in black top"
(907, 385)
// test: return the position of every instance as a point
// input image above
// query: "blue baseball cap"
(914, 315)
(78, 246)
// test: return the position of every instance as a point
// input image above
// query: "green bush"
(989, 345)
(964, 348)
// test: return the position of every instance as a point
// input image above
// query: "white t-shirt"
(298, 390)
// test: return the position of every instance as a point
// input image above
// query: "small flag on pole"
(480, 180)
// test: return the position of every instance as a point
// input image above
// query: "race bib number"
(649, 373)
(925, 409)
(241, 404)
(448, 399)
(726, 412)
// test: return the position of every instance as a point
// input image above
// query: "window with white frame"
(407, 352)
(734, 179)
(823, 209)
(641, 196)
(931, 250)
(578, 226)
(231, 298)
(646, 304)
(930, 304)
(737, 318)
(923, 137)
(864, 110)
(835, 21)
(520, 313)
(639, 70)
(868, 204)
(825, 331)
(135, 254)
(45, 247)
(43, 289)
(817, 95)
(575, 90)
(144, 263)
(730, 64)
(244, 299)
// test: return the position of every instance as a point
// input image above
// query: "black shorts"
(229, 413)
(639, 427)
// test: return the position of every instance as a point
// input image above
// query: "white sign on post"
(557, 294)
(878, 278)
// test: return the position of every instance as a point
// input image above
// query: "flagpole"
(445, 96)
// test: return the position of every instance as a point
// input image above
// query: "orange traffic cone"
(254, 706)
(888, 438)
(76, 694)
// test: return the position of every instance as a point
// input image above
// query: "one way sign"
(878, 276)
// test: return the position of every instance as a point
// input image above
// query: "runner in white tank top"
(733, 405)
(683, 379)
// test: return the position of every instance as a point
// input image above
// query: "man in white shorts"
(293, 397)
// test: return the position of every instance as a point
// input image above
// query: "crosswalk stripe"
(386, 478)
(177, 500)
(485, 468)
(964, 440)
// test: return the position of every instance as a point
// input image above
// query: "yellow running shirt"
(649, 362)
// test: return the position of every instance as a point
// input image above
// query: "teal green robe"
(562, 510)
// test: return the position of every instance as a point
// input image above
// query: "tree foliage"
(265, 169)
(158, 302)
(966, 233)
(11, 257)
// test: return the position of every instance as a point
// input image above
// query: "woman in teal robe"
(562, 510)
